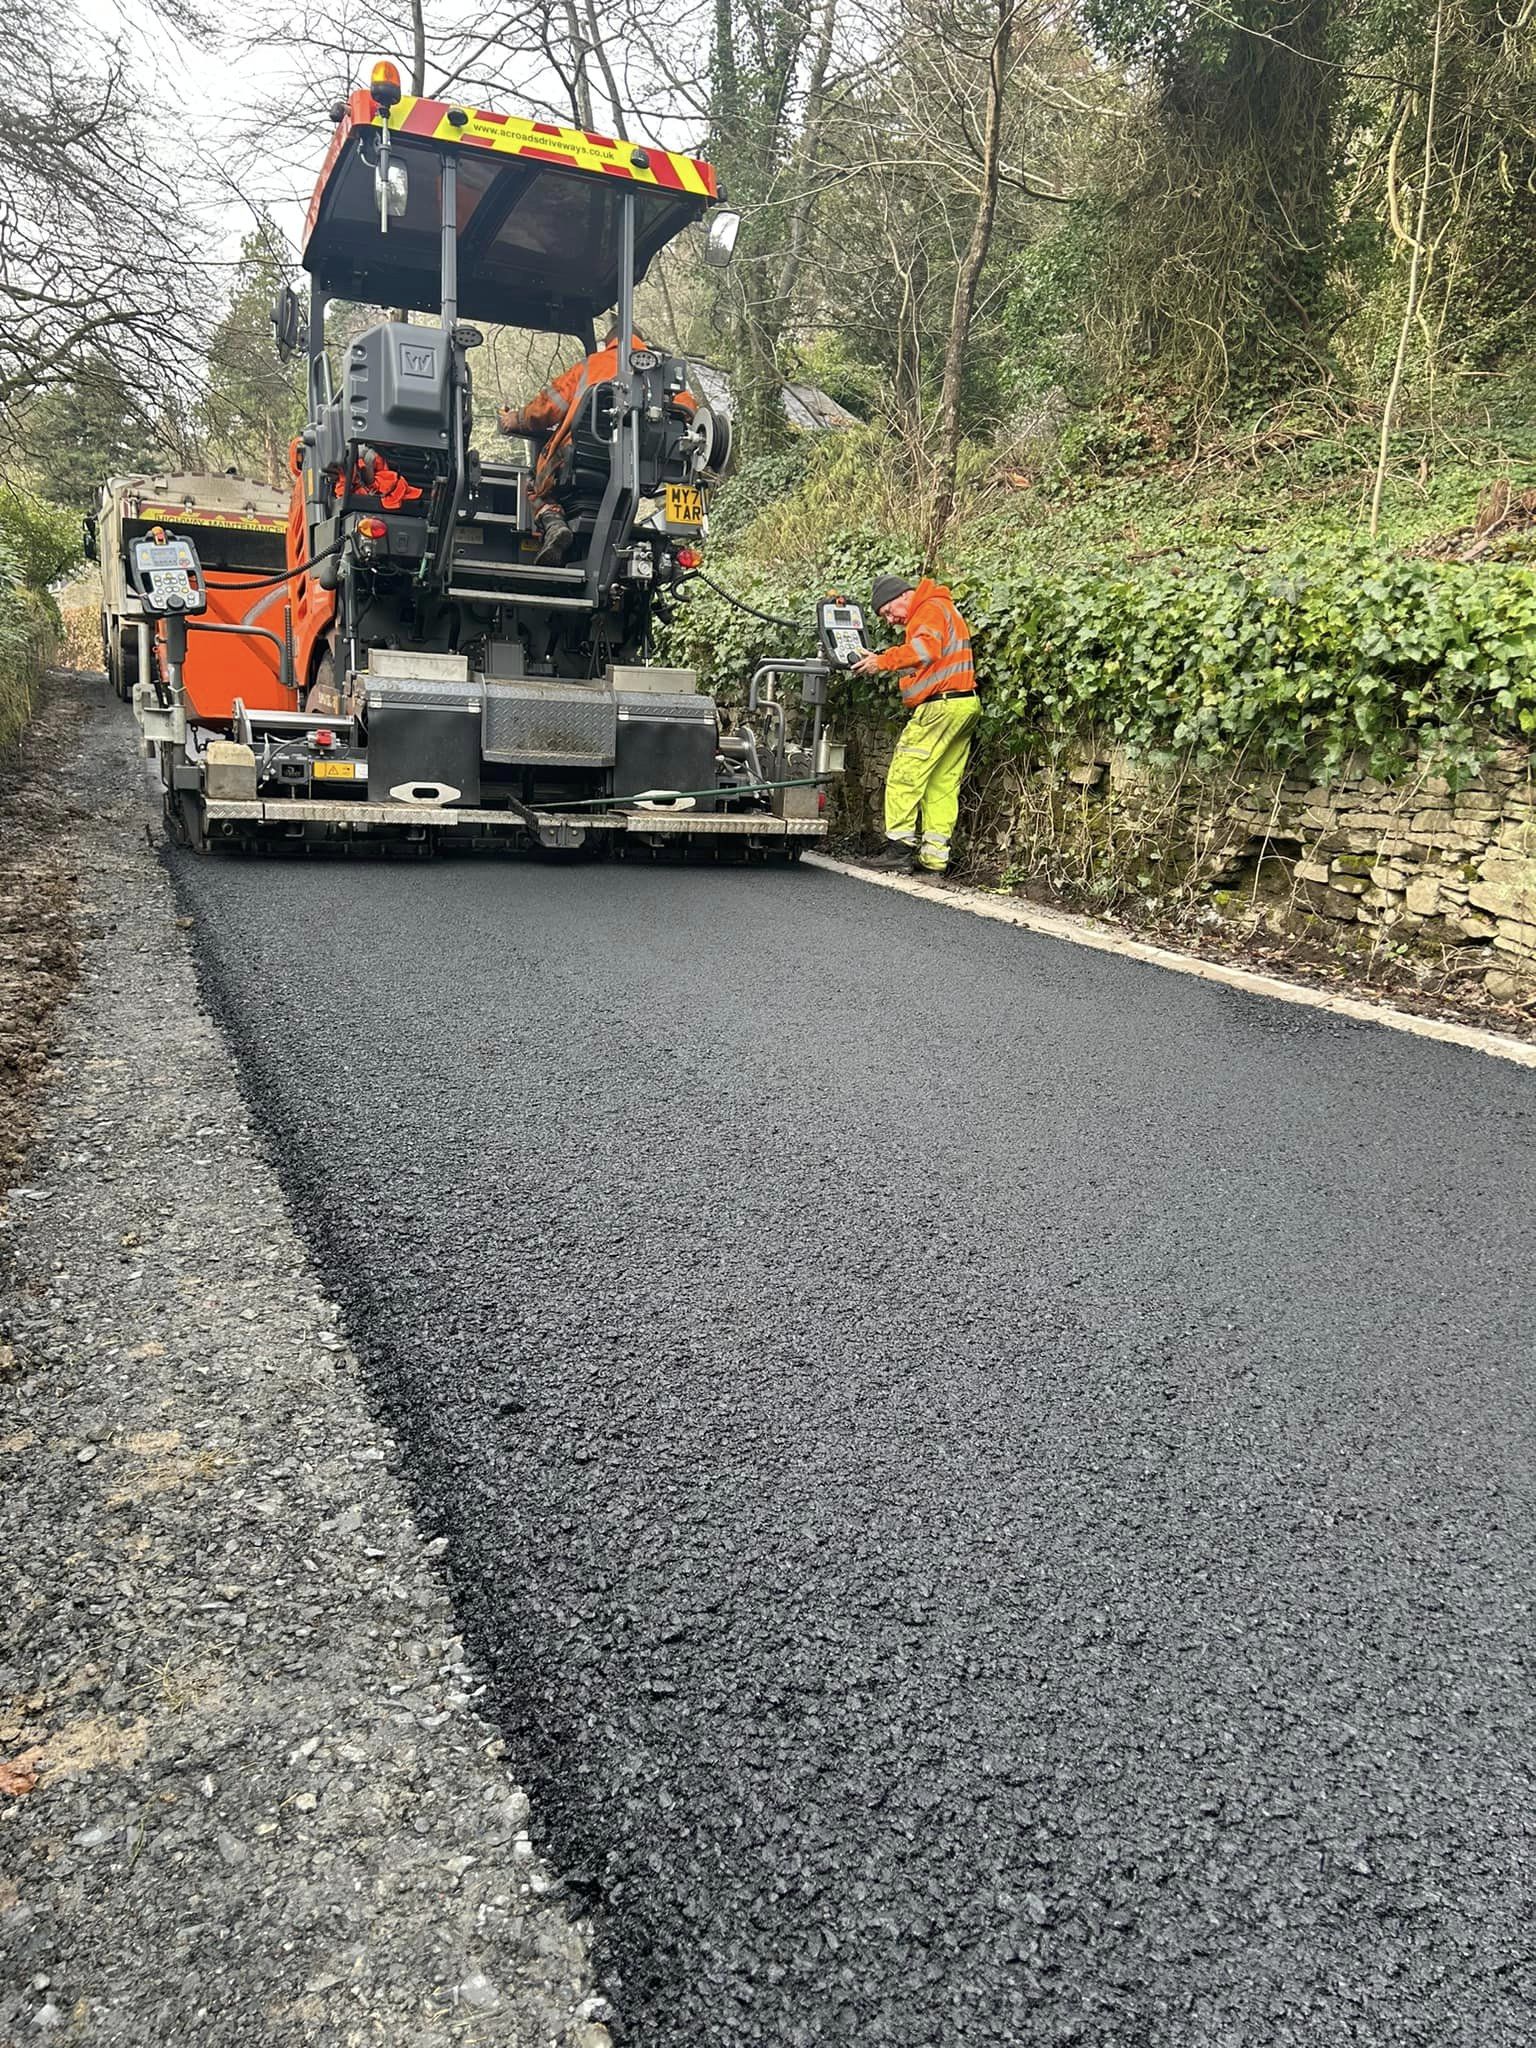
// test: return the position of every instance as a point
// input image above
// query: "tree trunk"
(1411, 306)
(803, 179)
(964, 308)
(756, 63)
(619, 116)
(725, 95)
(581, 90)
(418, 48)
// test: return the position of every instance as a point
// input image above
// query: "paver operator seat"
(667, 450)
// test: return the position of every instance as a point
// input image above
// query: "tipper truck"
(239, 528)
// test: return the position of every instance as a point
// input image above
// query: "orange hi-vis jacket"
(553, 410)
(937, 648)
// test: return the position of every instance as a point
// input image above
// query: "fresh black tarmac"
(993, 1483)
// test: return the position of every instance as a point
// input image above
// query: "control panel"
(840, 623)
(166, 575)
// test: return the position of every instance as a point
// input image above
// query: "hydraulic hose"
(768, 618)
(282, 575)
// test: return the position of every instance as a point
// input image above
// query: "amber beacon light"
(384, 86)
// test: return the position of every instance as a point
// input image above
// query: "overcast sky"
(204, 103)
(200, 95)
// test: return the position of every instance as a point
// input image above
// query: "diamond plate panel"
(675, 710)
(553, 725)
(425, 693)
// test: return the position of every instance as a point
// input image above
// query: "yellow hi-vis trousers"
(924, 779)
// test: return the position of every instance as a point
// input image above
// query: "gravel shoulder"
(246, 1791)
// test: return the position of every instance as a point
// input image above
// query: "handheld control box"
(166, 575)
(840, 624)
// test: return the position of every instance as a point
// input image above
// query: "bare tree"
(940, 167)
(94, 248)
(998, 76)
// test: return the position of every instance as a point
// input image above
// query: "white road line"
(1080, 931)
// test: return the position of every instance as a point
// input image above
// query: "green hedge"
(1293, 657)
(28, 629)
(39, 543)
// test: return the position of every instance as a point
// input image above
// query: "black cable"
(283, 576)
(768, 618)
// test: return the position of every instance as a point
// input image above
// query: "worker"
(938, 687)
(549, 418)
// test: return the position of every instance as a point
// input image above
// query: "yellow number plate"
(685, 505)
(334, 771)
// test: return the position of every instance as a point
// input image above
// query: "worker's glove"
(506, 419)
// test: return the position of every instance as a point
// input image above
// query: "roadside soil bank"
(247, 1793)
(39, 814)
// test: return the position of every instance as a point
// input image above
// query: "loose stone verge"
(245, 1793)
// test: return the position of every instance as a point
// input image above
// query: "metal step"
(496, 566)
(539, 597)
(299, 723)
(489, 519)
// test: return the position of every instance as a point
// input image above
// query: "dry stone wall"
(1447, 874)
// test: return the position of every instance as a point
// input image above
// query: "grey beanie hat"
(887, 587)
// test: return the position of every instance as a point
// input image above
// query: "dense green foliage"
(90, 426)
(253, 404)
(44, 541)
(1306, 655)
(1232, 614)
(28, 625)
(38, 544)
(1299, 656)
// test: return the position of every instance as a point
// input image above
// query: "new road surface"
(991, 1483)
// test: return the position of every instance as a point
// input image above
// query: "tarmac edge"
(1082, 931)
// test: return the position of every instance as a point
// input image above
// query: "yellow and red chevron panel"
(569, 149)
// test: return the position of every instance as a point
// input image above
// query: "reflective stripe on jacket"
(937, 648)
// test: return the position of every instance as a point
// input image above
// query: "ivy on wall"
(1305, 657)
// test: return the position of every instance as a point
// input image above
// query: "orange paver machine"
(441, 676)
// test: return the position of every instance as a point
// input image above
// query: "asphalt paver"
(992, 1483)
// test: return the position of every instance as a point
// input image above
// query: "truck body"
(239, 527)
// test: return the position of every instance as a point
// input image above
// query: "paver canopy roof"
(538, 213)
